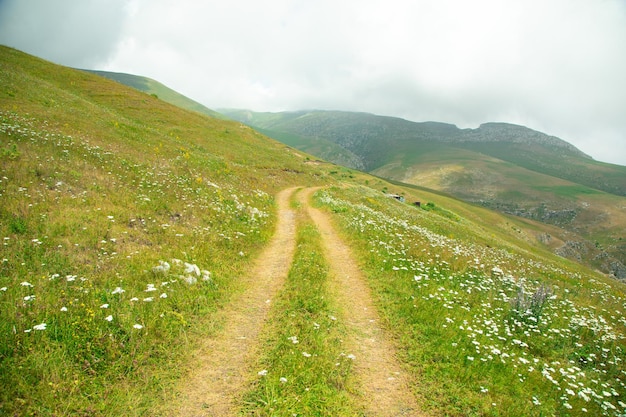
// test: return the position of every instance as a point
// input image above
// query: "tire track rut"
(383, 383)
(214, 386)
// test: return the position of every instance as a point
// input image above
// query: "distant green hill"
(509, 168)
(378, 141)
(150, 86)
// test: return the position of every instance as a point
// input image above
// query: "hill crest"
(513, 133)
(155, 88)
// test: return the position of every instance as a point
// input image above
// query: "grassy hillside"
(505, 167)
(486, 328)
(379, 140)
(127, 224)
(152, 87)
(101, 184)
(325, 149)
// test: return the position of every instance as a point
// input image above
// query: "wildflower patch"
(503, 328)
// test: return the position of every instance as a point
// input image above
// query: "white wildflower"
(41, 326)
(192, 269)
(162, 268)
(190, 279)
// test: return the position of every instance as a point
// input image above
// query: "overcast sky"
(557, 66)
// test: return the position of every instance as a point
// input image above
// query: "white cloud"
(73, 33)
(555, 66)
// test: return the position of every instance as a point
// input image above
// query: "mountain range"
(505, 167)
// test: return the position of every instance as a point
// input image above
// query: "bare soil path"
(384, 385)
(222, 365)
(221, 369)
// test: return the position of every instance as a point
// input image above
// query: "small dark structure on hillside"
(418, 204)
(397, 197)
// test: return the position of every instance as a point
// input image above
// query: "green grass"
(303, 369)
(454, 305)
(72, 234)
(553, 183)
(100, 183)
(570, 191)
(158, 90)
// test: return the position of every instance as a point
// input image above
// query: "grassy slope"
(323, 148)
(594, 174)
(587, 214)
(101, 183)
(552, 184)
(487, 325)
(379, 140)
(150, 86)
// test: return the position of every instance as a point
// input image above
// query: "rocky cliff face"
(505, 132)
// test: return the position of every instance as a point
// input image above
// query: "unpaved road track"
(384, 385)
(223, 366)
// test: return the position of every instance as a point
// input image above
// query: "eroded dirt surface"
(222, 366)
(384, 385)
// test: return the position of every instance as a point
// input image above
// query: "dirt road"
(222, 370)
(384, 385)
(223, 366)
